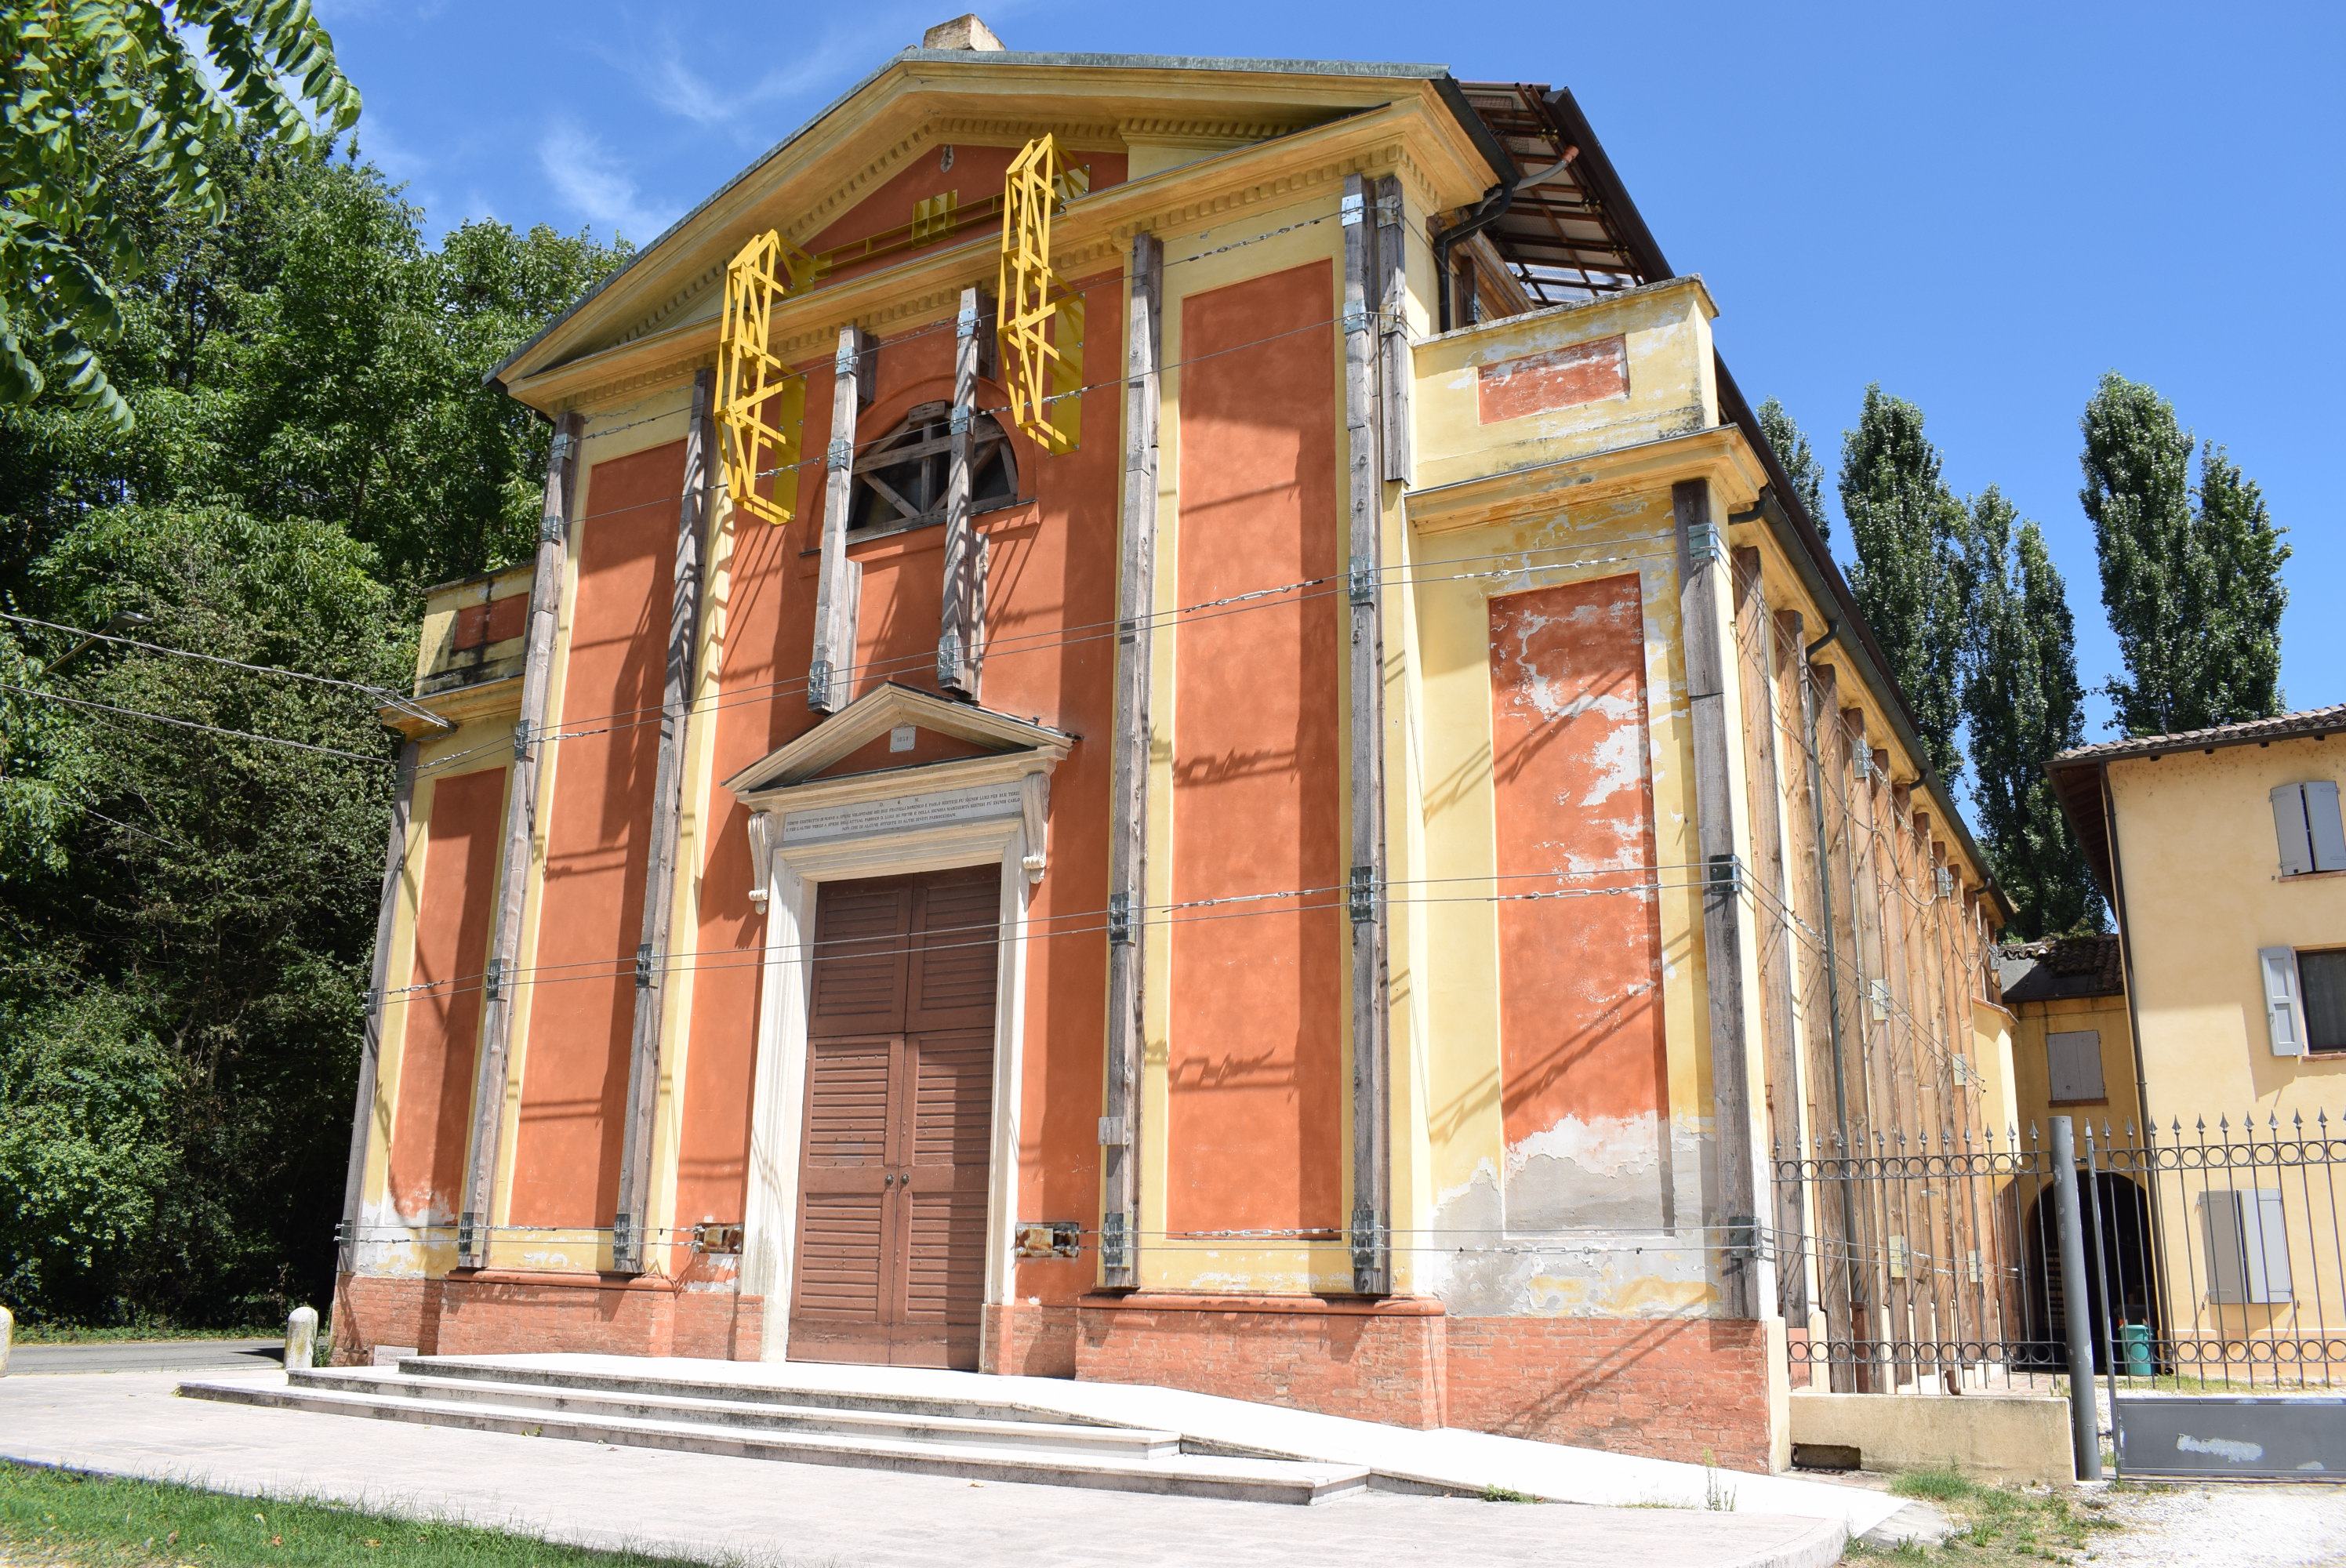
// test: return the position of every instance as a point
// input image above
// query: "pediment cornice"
(794, 764)
(808, 182)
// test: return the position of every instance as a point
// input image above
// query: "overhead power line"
(191, 724)
(380, 694)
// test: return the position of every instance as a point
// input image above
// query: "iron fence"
(2212, 1257)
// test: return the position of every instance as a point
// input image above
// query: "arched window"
(899, 479)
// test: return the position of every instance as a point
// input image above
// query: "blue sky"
(1981, 206)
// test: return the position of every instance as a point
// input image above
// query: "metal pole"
(2084, 1430)
(2102, 1279)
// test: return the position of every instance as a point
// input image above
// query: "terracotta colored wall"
(1580, 1007)
(1255, 1092)
(582, 997)
(1053, 563)
(429, 1128)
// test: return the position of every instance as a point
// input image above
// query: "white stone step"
(1190, 1475)
(662, 1379)
(590, 1397)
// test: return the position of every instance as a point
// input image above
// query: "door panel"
(893, 1172)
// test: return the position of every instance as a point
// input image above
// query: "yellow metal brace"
(760, 402)
(1035, 365)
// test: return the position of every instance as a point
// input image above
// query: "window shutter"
(2290, 828)
(2283, 1013)
(2072, 1059)
(2323, 826)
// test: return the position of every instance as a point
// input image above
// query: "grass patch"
(138, 1334)
(1507, 1494)
(1995, 1526)
(53, 1516)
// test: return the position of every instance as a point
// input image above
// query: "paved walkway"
(147, 1356)
(800, 1516)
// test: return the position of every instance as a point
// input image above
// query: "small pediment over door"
(898, 727)
(841, 780)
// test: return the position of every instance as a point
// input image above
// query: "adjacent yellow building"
(2223, 854)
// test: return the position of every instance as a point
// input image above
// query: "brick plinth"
(1026, 1338)
(371, 1310)
(1671, 1388)
(1375, 1360)
(490, 1312)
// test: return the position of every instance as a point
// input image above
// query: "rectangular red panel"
(432, 1122)
(1560, 378)
(1256, 1050)
(1580, 1014)
(597, 830)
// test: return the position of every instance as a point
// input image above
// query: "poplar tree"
(1790, 445)
(1910, 579)
(2022, 703)
(2191, 579)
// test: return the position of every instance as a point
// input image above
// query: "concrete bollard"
(7, 1333)
(302, 1338)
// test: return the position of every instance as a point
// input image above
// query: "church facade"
(1170, 726)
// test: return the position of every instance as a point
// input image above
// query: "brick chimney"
(962, 33)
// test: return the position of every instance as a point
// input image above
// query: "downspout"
(1487, 211)
(2125, 946)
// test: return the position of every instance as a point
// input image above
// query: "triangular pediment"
(855, 739)
(859, 168)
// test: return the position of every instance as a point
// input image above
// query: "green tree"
(1910, 577)
(184, 933)
(2023, 704)
(96, 93)
(2190, 579)
(1800, 463)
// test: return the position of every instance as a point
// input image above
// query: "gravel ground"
(2186, 1526)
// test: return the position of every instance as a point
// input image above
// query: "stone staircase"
(814, 1423)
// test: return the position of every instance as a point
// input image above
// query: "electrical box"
(709, 1236)
(1050, 1239)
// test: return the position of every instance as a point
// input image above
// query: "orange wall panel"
(433, 1120)
(597, 832)
(1257, 1045)
(1580, 1014)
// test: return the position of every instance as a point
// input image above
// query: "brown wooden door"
(899, 1122)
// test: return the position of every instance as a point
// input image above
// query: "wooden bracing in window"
(760, 402)
(1034, 364)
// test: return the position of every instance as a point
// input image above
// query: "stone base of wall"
(495, 1312)
(1667, 1388)
(1026, 1338)
(1371, 1360)
(1670, 1388)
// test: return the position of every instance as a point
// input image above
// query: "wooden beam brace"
(1364, 539)
(1128, 776)
(1394, 364)
(1703, 613)
(474, 1217)
(386, 912)
(839, 593)
(961, 631)
(628, 1226)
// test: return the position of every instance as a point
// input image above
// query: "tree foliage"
(2021, 704)
(187, 917)
(2190, 579)
(1799, 462)
(100, 93)
(1910, 579)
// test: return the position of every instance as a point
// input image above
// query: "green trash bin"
(2133, 1343)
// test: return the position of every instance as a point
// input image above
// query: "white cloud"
(585, 176)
